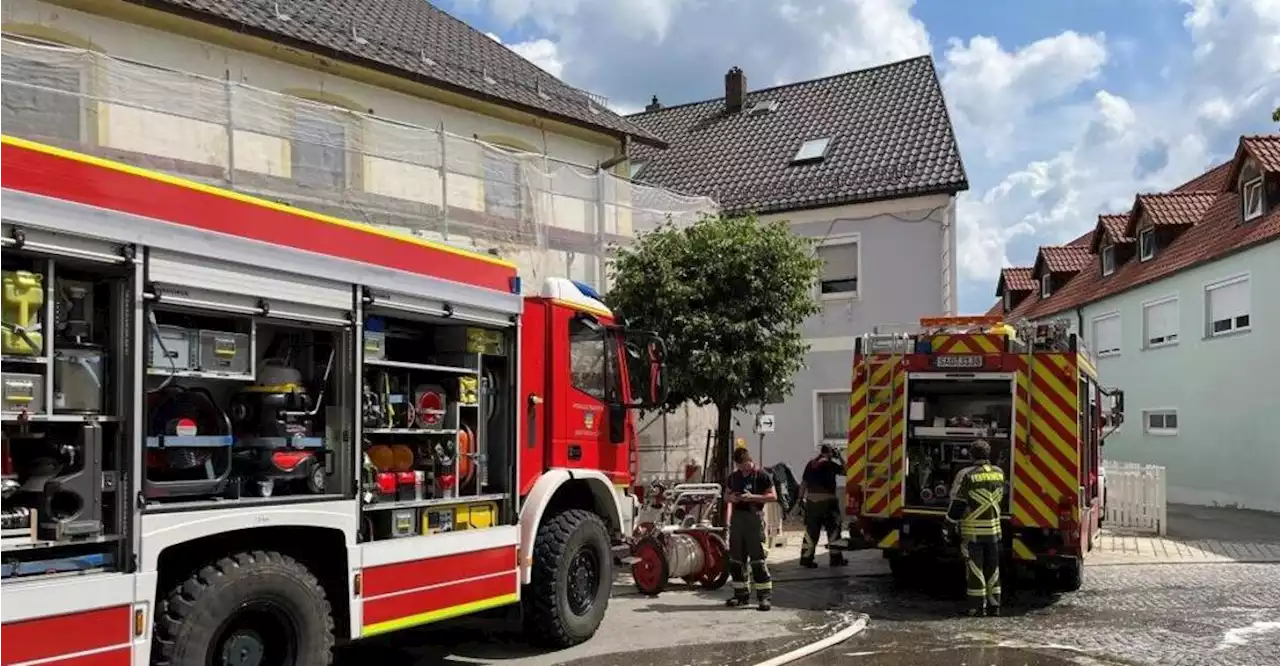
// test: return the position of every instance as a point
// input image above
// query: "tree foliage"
(729, 295)
(1275, 115)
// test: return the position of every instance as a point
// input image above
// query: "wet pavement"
(1132, 615)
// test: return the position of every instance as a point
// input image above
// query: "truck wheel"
(256, 608)
(572, 579)
(1071, 575)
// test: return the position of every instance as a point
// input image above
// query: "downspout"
(949, 272)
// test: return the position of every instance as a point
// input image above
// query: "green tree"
(729, 295)
(1275, 115)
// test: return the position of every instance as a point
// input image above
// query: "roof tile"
(414, 40)
(1114, 228)
(1175, 207)
(1213, 180)
(1017, 278)
(890, 136)
(1265, 149)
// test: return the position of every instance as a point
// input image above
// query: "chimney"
(654, 105)
(735, 90)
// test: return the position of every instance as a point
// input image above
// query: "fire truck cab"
(237, 432)
(919, 401)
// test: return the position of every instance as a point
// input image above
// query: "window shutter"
(1229, 301)
(1162, 322)
(839, 262)
(1106, 333)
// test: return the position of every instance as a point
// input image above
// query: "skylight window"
(637, 168)
(763, 106)
(813, 150)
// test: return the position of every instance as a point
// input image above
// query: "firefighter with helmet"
(976, 497)
(749, 489)
(821, 506)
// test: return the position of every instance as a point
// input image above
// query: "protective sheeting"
(553, 218)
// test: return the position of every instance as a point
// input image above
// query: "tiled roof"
(1113, 228)
(996, 310)
(1017, 278)
(1174, 208)
(1265, 149)
(890, 136)
(1213, 180)
(1216, 233)
(414, 40)
(1065, 258)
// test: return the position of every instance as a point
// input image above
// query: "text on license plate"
(958, 361)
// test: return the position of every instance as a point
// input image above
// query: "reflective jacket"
(976, 496)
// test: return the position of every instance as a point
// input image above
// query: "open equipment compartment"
(242, 407)
(66, 403)
(946, 413)
(435, 397)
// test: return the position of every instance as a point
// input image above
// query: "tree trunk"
(719, 466)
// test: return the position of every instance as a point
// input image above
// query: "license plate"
(958, 361)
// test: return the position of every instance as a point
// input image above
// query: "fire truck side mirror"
(646, 366)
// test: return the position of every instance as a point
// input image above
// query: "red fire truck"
(236, 432)
(920, 400)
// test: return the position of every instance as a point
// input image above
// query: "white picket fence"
(1134, 497)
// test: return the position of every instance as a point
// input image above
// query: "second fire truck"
(920, 400)
(236, 432)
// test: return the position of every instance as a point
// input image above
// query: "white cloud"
(991, 90)
(543, 53)
(1050, 134)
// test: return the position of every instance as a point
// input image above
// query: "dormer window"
(1251, 199)
(1146, 244)
(1108, 260)
(1046, 285)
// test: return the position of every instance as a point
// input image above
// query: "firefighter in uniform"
(821, 505)
(976, 497)
(749, 489)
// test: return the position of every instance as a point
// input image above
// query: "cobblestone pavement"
(1167, 615)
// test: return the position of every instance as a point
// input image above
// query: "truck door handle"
(531, 426)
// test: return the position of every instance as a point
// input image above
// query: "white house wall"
(1226, 390)
(127, 128)
(902, 278)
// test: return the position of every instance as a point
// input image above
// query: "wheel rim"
(584, 581)
(261, 633)
(648, 571)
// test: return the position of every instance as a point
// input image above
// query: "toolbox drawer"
(224, 352)
(21, 390)
(174, 350)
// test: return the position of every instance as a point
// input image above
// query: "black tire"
(244, 597)
(564, 542)
(1070, 577)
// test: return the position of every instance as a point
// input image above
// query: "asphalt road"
(1131, 615)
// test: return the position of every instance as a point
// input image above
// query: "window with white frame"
(1227, 306)
(1146, 244)
(833, 417)
(1108, 260)
(1251, 199)
(1046, 285)
(1106, 334)
(1160, 421)
(1160, 322)
(840, 267)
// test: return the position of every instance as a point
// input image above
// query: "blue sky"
(1064, 109)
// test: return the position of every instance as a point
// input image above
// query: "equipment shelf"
(426, 367)
(193, 441)
(199, 374)
(20, 543)
(61, 418)
(33, 360)
(434, 501)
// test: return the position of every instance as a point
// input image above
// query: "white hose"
(803, 651)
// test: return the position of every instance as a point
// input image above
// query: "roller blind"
(1161, 322)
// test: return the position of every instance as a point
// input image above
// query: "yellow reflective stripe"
(438, 615)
